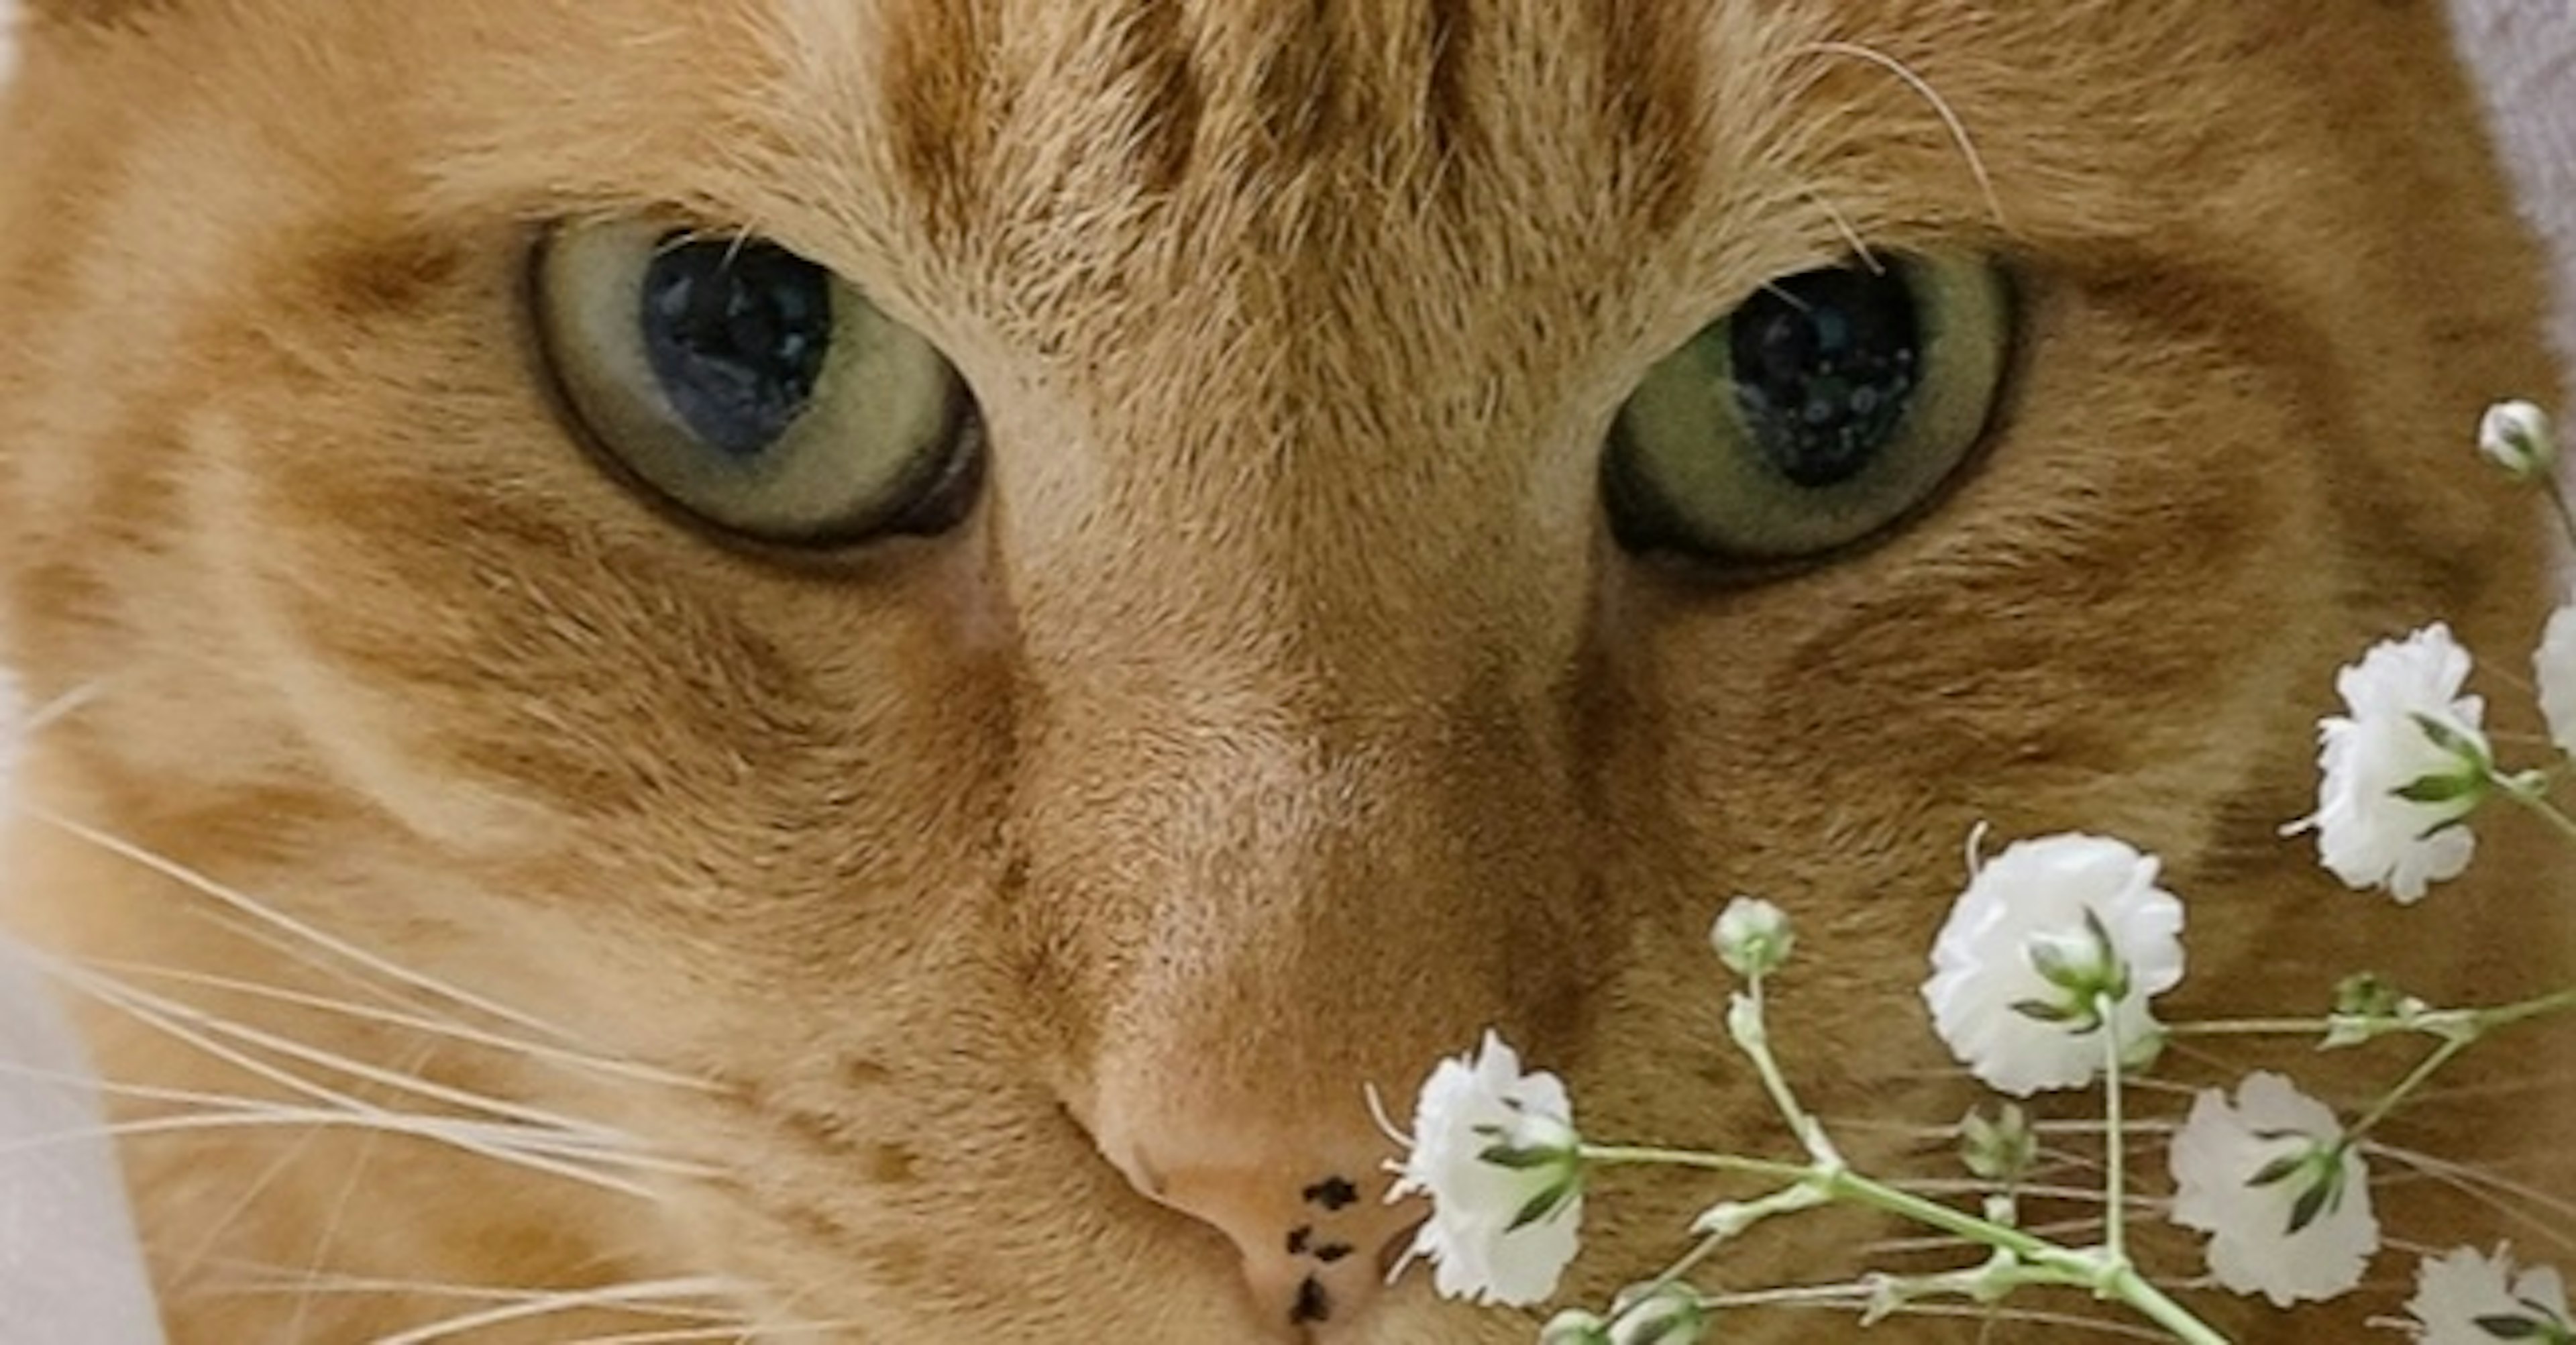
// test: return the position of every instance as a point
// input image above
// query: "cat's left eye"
(1830, 405)
(752, 387)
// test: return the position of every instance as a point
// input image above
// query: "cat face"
(962, 621)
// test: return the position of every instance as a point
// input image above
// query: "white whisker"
(2057, 1230)
(2486, 1188)
(260, 911)
(222, 1224)
(415, 1022)
(1955, 1186)
(1861, 249)
(166, 1012)
(46, 715)
(252, 1279)
(1949, 118)
(488, 1141)
(337, 1214)
(738, 1333)
(556, 1303)
(1854, 1298)
(519, 1144)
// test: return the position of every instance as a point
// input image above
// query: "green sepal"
(2278, 1170)
(2450, 740)
(2432, 789)
(1540, 1206)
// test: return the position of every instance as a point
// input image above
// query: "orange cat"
(840, 669)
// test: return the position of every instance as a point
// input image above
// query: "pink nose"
(1311, 1220)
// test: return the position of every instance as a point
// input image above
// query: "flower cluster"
(2042, 978)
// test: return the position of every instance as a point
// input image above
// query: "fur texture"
(1283, 716)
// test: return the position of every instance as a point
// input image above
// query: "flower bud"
(1671, 1315)
(2517, 437)
(1574, 1326)
(2001, 1148)
(1752, 937)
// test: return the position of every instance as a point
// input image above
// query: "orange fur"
(1283, 715)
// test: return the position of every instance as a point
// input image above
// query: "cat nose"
(1309, 1216)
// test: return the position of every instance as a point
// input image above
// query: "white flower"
(2042, 929)
(2553, 667)
(1752, 936)
(2400, 774)
(2287, 1207)
(2516, 436)
(2468, 1299)
(1499, 1232)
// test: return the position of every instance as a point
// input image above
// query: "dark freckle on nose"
(1313, 1304)
(1333, 1193)
(1332, 1251)
(1297, 1240)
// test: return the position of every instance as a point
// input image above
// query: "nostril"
(1315, 1234)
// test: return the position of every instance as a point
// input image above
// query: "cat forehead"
(1105, 149)
(967, 112)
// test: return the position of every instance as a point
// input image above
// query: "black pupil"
(736, 333)
(1824, 364)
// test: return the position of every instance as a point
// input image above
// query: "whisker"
(338, 1213)
(2055, 1229)
(1843, 225)
(683, 1335)
(2485, 1188)
(2033, 1317)
(1976, 1186)
(161, 1007)
(46, 715)
(475, 1139)
(253, 1280)
(192, 1260)
(244, 904)
(556, 1303)
(1853, 1298)
(392, 1018)
(1940, 106)
(519, 1144)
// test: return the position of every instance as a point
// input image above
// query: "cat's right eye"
(751, 387)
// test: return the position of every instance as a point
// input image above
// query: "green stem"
(2443, 1023)
(1681, 1269)
(2505, 1015)
(2533, 799)
(2558, 501)
(2134, 1289)
(1755, 1039)
(2425, 1069)
(2260, 1027)
(2115, 1144)
(1839, 1183)
(2107, 1277)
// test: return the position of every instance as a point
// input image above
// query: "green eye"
(1827, 407)
(752, 387)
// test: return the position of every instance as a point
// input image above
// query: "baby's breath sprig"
(1754, 939)
(2041, 979)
